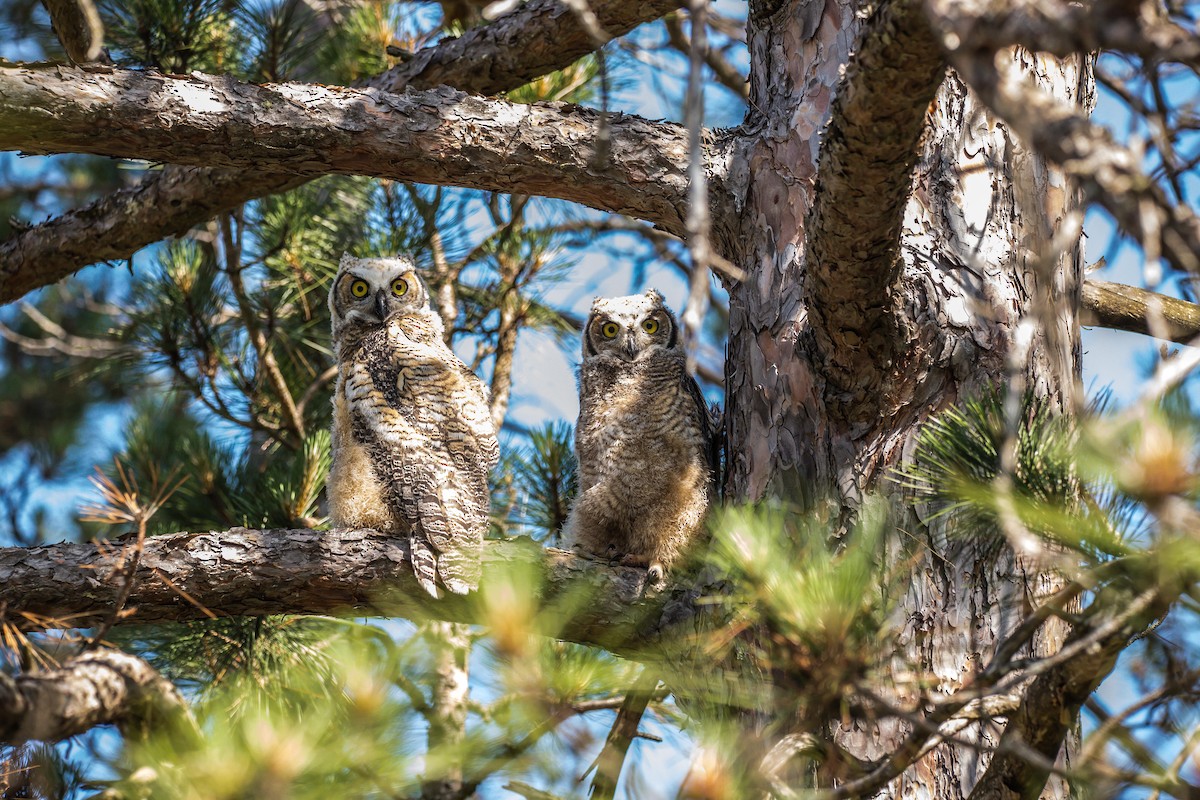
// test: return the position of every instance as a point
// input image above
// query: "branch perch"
(440, 136)
(241, 572)
(538, 38)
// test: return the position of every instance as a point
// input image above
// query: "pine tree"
(932, 550)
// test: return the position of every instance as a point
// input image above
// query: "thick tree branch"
(1110, 174)
(78, 27)
(864, 176)
(96, 688)
(440, 136)
(1128, 308)
(190, 576)
(164, 204)
(538, 38)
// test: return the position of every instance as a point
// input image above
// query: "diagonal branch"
(540, 37)
(240, 572)
(166, 203)
(96, 688)
(439, 136)
(863, 182)
(611, 760)
(78, 27)
(1052, 702)
(1110, 174)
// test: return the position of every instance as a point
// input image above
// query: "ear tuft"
(654, 296)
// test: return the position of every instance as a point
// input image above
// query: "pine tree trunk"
(822, 405)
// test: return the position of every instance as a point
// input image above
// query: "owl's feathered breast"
(436, 397)
(641, 412)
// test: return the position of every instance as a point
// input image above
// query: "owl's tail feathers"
(424, 560)
(455, 566)
(458, 567)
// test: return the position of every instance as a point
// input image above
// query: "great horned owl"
(644, 439)
(412, 434)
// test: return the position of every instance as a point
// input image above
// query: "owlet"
(644, 439)
(412, 434)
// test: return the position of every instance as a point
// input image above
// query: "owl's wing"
(706, 418)
(433, 445)
(478, 408)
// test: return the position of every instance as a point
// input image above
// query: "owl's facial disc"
(630, 328)
(366, 297)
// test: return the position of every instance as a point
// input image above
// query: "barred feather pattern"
(644, 440)
(413, 444)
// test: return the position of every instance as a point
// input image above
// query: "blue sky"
(544, 375)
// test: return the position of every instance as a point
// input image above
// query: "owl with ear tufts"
(644, 441)
(412, 433)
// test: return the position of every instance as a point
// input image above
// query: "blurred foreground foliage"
(214, 367)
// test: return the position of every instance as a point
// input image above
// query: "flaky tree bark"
(540, 37)
(899, 255)
(78, 27)
(241, 572)
(102, 687)
(439, 136)
(846, 335)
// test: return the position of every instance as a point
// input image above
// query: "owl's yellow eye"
(359, 288)
(650, 326)
(399, 287)
(610, 330)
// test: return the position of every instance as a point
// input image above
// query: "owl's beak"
(630, 348)
(381, 305)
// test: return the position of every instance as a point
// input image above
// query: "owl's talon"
(637, 404)
(635, 560)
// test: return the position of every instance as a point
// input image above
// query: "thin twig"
(611, 759)
(697, 223)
